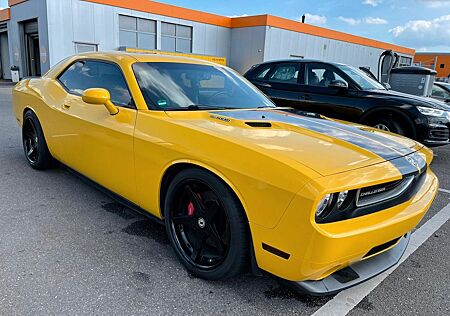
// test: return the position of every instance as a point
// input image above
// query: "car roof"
(299, 60)
(445, 84)
(118, 56)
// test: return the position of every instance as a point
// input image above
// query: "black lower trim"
(382, 247)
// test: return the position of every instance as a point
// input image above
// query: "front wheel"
(390, 125)
(206, 225)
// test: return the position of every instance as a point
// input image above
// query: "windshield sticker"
(162, 102)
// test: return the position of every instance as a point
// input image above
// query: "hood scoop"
(259, 124)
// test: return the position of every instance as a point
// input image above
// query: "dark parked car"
(346, 93)
(441, 91)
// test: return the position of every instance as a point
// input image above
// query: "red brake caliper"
(191, 209)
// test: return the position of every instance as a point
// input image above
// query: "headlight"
(342, 196)
(431, 111)
(331, 202)
(324, 205)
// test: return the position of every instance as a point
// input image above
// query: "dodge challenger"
(239, 183)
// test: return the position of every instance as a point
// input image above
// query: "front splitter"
(356, 273)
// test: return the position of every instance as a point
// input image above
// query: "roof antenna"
(303, 18)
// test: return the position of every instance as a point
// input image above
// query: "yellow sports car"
(239, 183)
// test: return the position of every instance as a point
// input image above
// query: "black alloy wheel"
(390, 125)
(30, 141)
(34, 144)
(206, 225)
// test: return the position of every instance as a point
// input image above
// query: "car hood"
(410, 98)
(323, 145)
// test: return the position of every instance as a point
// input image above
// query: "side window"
(439, 92)
(262, 71)
(87, 74)
(285, 73)
(321, 75)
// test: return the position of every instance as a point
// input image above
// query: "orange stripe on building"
(5, 15)
(258, 20)
(168, 10)
(14, 2)
(274, 21)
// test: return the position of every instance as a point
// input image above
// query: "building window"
(85, 48)
(442, 66)
(176, 38)
(137, 32)
(405, 61)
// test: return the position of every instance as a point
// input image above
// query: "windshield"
(179, 86)
(362, 79)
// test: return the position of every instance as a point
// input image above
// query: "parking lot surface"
(66, 248)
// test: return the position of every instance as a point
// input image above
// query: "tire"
(206, 225)
(390, 125)
(34, 144)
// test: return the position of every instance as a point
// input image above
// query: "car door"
(279, 81)
(316, 95)
(93, 142)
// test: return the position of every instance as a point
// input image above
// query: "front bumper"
(306, 251)
(438, 132)
(356, 273)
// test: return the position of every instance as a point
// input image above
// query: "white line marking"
(444, 190)
(346, 300)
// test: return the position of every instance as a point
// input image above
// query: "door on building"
(5, 72)
(32, 53)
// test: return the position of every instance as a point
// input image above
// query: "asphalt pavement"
(68, 249)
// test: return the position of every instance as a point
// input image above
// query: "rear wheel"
(206, 225)
(34, 144)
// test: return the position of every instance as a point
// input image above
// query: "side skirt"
(113, 195)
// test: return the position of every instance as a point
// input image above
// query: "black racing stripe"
(404, 166)
(368, 134)
(385, 148)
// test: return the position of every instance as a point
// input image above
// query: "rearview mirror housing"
(100, 96)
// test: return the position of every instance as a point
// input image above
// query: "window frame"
(137, 32)
(132, 105)
(191, 39)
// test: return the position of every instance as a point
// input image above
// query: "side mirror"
(387, 85)
(100, 96)
(338, 84)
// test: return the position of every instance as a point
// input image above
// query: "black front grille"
(385, 191)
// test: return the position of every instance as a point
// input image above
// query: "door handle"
(306, 97)
(265, 85)
(66, 106)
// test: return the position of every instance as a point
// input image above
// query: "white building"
(36, 34)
